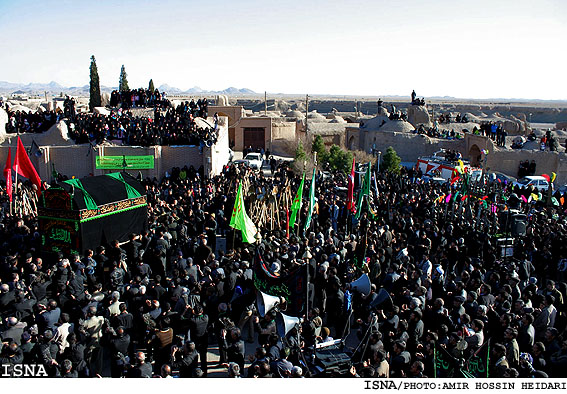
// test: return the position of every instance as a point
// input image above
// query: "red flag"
(24, 166)
(350, 195)
(547, 178)
(8, 174)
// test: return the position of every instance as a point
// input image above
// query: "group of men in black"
(132, 98)
(153, 305)
(526, 168)
(173, 126)
(29, 122)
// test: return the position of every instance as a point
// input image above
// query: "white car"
(254, 160)
(537, 181)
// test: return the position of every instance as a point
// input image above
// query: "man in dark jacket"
(234, 347)
(140, 369)
(198, 324)
(118, 346)
(184, 361)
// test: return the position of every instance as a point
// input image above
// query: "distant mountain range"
(54, 88)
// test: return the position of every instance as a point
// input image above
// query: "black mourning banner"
(292, 287)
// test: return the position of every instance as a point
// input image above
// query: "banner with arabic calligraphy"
(477, 364)
(445, 364)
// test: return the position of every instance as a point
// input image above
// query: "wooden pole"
(306, 111)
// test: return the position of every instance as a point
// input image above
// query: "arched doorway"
(351, 143)
(474, 155)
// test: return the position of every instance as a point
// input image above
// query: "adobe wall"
(282, 134)
(408, 146)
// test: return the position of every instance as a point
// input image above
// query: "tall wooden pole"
(306, 111)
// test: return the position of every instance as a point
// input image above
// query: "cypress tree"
(151, 87)
(95, 98)
(123, 84)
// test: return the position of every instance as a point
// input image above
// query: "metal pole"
(265, 103)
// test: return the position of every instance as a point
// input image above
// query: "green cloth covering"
(296, 205)
(364, 191)
(130, 190)
(241, 221)
(89, 200)
(311, 202)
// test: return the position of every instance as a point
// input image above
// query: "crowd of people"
(175, 126)
(526, 168)
(30, 122)
(132, 98)
(154, 305)
(436, 132)
(448, 118)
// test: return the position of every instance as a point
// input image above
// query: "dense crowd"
(132, 98)
(152, 306)
(174, 126)
(30, 122)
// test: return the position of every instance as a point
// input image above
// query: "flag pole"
(298, 221)
(15, 186)
(307, 298)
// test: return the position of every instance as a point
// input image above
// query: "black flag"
(477, 364)
(445, 364)
(292, 287)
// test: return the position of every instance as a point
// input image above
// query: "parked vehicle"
(437, 166)
(254, 160)
(536, 181)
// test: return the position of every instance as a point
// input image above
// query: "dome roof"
(293, 113)
(398, 126)
(374, 123)
(337, 119)
(317, 117)
(383, 111)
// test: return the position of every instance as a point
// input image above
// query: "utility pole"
(265, 103)
(306, 110)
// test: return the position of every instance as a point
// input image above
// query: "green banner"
(126, 162)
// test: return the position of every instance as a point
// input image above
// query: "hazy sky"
(468, 49)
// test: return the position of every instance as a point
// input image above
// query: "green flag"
(311, 202)
(240, 220)
(364, 191)
(296, 205)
